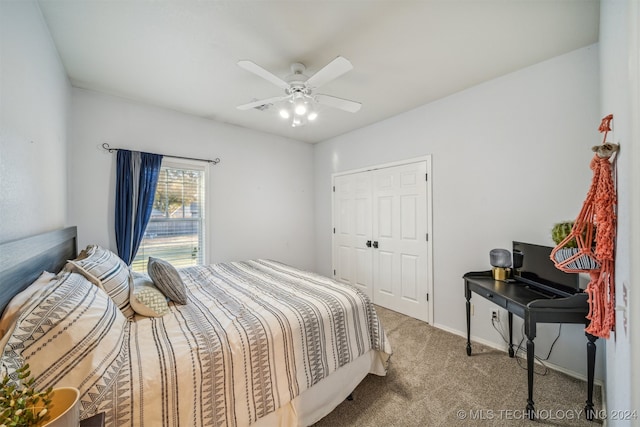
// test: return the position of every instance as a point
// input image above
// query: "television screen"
(532, 264)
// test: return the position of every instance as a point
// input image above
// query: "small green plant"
(20, 404)
(560, 231)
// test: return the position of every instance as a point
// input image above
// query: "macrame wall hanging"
(594, 231)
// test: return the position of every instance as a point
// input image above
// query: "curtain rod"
(214, 161)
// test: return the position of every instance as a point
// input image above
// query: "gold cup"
(500, 273)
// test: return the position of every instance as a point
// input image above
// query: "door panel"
(363, 215)
(399, 226)
(362, 278)
(408, 218)
(384, 274)
(385, 216)
(352, 223)
(409, 277)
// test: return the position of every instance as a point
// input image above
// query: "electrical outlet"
(494, 316)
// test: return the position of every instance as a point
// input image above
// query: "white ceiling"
(182, 54)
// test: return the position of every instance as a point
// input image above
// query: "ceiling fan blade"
(261, 72)
(332, 70)
(335, 102)
(260, 102)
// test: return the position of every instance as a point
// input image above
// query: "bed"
(255, 343)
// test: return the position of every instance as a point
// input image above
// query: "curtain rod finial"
(109, 149)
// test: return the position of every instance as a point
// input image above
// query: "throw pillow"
(104, 268)
(167, 279)
(146, 299)
(71, 333)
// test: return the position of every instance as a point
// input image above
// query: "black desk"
(534, 307)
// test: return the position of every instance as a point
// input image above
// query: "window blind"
(175, 231)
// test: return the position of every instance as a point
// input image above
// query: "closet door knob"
(375, 244)
(368, 243)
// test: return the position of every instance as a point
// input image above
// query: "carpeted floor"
(432, 382)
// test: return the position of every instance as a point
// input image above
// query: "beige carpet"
(432, 382)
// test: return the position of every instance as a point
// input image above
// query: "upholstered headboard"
(23, 260)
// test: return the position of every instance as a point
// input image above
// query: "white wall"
(617, 25)
(510, 158)
(262, 190)
(633, 309)
(34, 108)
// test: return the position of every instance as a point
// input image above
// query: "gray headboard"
(23, 260)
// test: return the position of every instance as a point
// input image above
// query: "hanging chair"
(594, 233)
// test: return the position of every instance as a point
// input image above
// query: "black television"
(532, 265)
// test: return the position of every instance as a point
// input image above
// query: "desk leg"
(591, 364)
(530, 358)
(511, 352)
(468, 296)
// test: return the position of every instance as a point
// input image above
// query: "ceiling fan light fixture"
(300, 108)
(297, 121)
(312, 116)
(299, 103)
(284, 113)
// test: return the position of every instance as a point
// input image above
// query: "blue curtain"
(136, 181)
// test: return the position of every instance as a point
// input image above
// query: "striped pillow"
(167, 279)
(105, 269)
(72, 334)
(579, 264)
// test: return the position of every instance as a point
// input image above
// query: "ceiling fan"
(300, 98)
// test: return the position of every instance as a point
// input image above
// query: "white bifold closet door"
(380, 237)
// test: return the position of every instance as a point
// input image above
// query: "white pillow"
(145, 298)
(12, 310)
(105, 269)
(71, 334)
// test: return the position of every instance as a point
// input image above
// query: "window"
(175, 231)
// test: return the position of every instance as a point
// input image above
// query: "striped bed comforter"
(253, 336)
